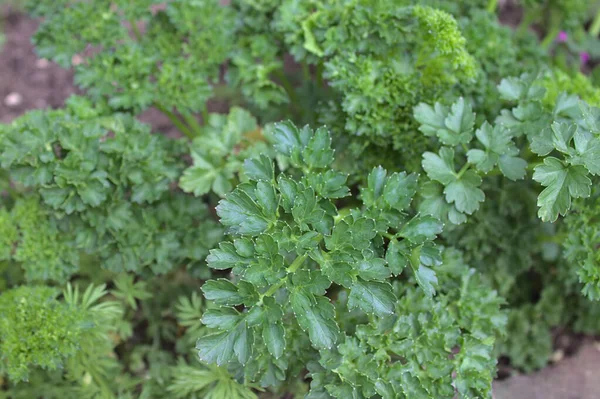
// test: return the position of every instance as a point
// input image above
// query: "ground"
(27, 82)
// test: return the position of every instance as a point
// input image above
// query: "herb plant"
(391, 197)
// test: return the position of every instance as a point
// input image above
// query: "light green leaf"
(459, 124)
(562, 183)
(440, 167)
(465, 193)
(514, 168)
(317, 315)
(273, 336)
(259, 169)
(242, 214)
(399, 190)
(222, 292)
(221, 318)
(421, 228)
(318, 153)
(372, 297)
(426, 279)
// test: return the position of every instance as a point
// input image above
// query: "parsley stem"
(527, 19)
(550, 36)
(297, 263)
(595, 26)
(492, 5)
(388, 236)
(462, 171)
(531, 166)
(192, 122)
(173, 118)
(293, 267)
(319, 73)
(287, 85)
(205, 114)
(136, 30)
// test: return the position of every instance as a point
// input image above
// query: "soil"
(27, 82)
(575, 377)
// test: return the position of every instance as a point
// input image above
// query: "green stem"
(595, 26)
(528, 18)
(549, 38)
(342, 213)
(558, 238)
(136, 31)
(297, 263)
(306, 72)
(494, 172)
(205, 114)
(293, 267)
(492, 5)
(173, 118)
(193, 122)
(319, 73)
(531, 166)
(287, 85)
(388, 236)
(462, 171)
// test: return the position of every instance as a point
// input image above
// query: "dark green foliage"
(133, 71)
(292, 246)
(103, 189)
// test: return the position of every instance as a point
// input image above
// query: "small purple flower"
(562, 37)
(584, 57)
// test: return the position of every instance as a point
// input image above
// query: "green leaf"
(562, 183)
(217, 348)
(511, 89)
(242, 214)
(329, 184)
(259, 169)
(317, 315)
(499, 149)
(221, 318)
(197, 180)
(267, 199)
(286, 137)
(318, 153)
(440, 167)
(222, 292)
(465, 193)
(459, 124)
(421, 228)
(512, 167)
(221, 348)
(225, 257)
(306, 211)
(453, 127)
(426, 279)
(372, 297)
(399, 190)
(588, 155)
(431, 119)
(242, 346)
(397, 256)
(200, 178)
(274, 338)
(373, 269)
